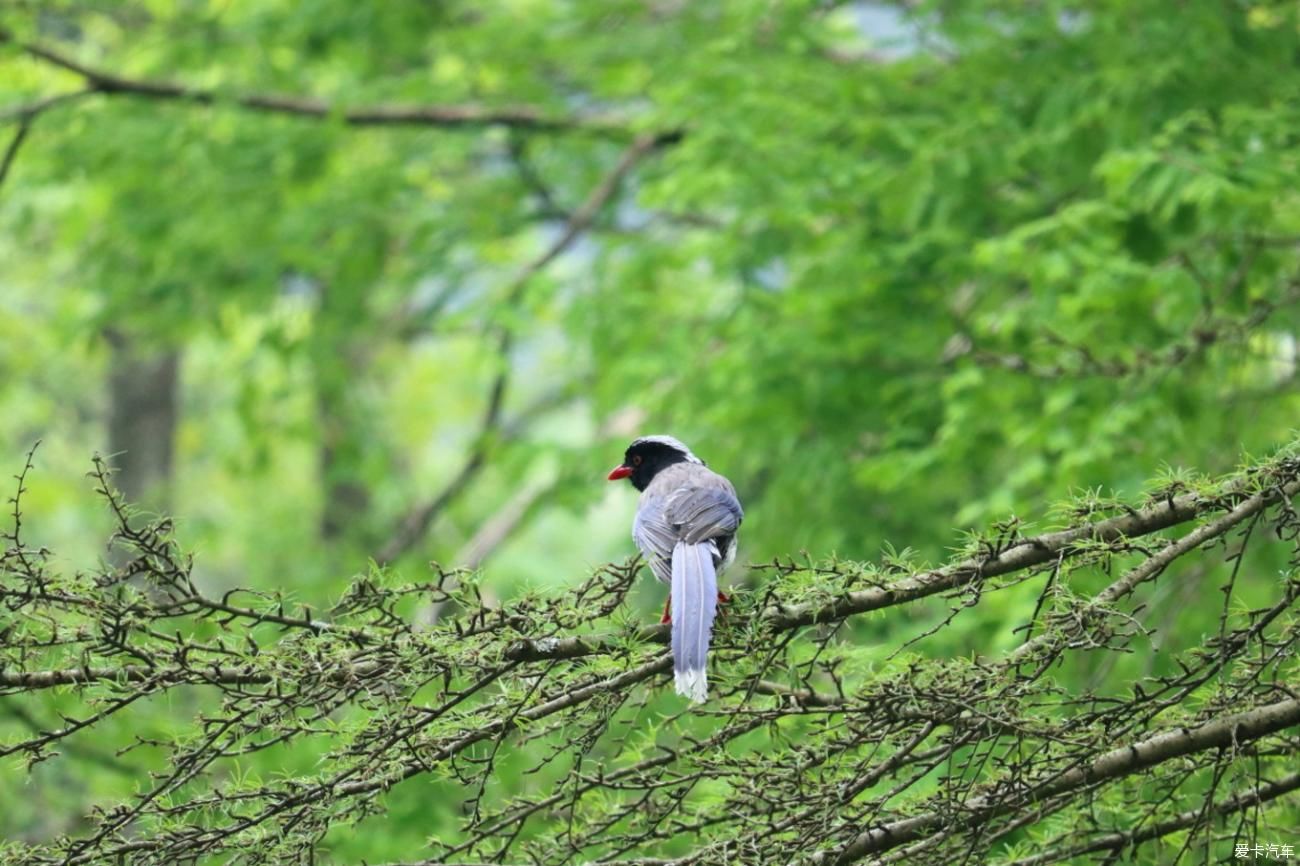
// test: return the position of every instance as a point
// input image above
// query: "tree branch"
(838, 744)
(26, 115)
(521, 117)
(11, 152)
(1199, 339)
(1221, 733)
(1025, 554)
(1119, 840)
(30, 110)
(48, 679)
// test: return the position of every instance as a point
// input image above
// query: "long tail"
(695, 602)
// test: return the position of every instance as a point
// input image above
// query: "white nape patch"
(693, 685)
(672, 442)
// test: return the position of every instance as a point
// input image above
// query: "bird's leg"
(723, 598)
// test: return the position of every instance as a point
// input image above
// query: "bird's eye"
(636, 459)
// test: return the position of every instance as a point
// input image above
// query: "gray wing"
(654, 536)
(708, 510)
(687, 503)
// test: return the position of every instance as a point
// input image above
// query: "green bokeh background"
(910, 269)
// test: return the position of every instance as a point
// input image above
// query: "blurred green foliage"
(910, 268)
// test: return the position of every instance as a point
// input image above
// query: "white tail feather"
(694, 605)
(693, 685)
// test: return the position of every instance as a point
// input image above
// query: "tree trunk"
(142, 419)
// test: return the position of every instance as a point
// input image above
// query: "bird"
(685, 526)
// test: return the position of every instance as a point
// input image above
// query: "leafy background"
(898, 270)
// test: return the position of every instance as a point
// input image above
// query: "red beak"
(619, 472)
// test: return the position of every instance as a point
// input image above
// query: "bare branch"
(1233, 730)
(520, 117)
(1118, 841)
(810, 752)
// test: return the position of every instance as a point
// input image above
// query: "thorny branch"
(817, 748)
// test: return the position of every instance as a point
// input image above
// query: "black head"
(648, 456)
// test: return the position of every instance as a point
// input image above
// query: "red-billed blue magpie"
(685, 526)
